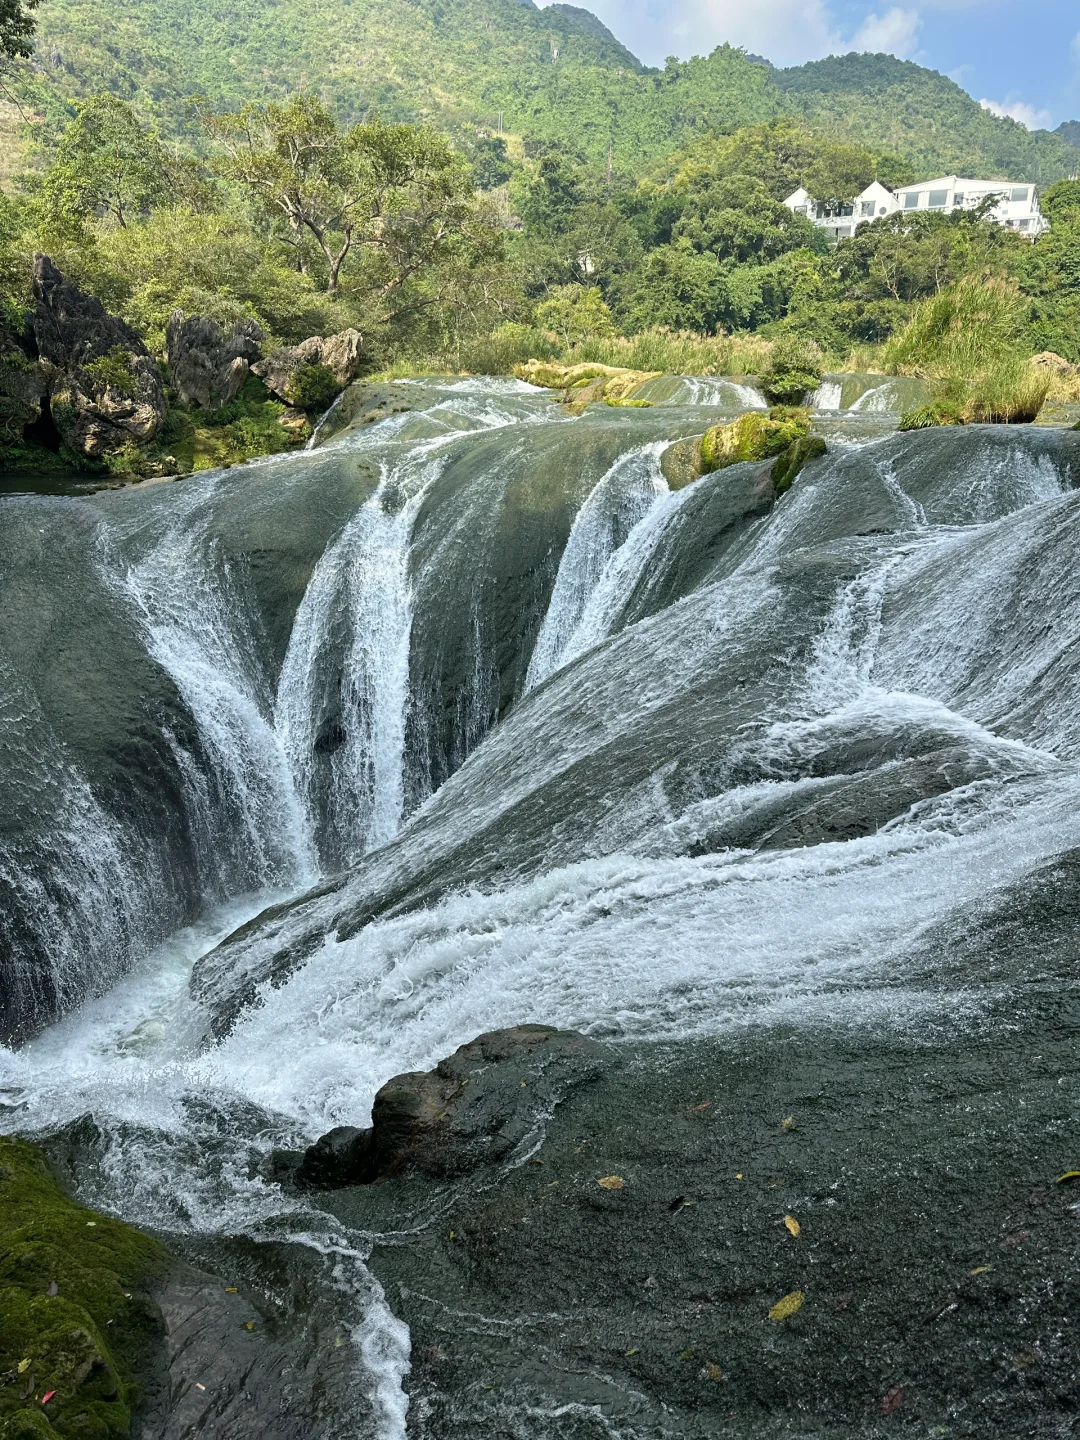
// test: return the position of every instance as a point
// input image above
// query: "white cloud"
(894, 33)
(1016, 109)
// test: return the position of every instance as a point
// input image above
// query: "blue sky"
(1022, 56)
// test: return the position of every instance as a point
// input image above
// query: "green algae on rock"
(754, 436)
(75, 1315)
(790, 461)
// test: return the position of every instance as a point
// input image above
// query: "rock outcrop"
(752, 437)
(587, 384)
(308, 375)
(105, 392)
(208, 366)
(475, 1108)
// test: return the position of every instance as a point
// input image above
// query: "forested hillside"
(553, 74)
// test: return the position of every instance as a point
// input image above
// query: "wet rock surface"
(208, 365)
(477, 1107)
(621, 1280)
(104, 388)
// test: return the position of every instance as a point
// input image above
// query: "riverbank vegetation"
(461, 252)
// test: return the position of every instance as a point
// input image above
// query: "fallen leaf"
(47, 1396)
(198, 1386)
(892, 1400)
(249, 1324)
(338, 1342)
(981, 1270)
(231, 1290)
(24, 1365)
(1069, 1175)
(793, 1226)
(738, 1177)
(611, 1182)
(635, 1351)
(713, 1372)
(91, 1224)
(694, 1109)
(788, 1306)
(788, 1123)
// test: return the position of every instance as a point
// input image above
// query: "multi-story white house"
(1016, 207)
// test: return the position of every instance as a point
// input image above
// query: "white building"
(1016, 207)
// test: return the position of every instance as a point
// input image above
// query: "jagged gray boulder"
(208, 366)
(283, 372)
(105, 392)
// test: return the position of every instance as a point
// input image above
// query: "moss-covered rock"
(755, 436)
(76, 1317)
(790, 461)
(587, 384)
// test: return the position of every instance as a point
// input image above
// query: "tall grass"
(671, 352)
(967, 342)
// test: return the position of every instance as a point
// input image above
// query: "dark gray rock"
(104, 388)
(208, 366)
(475, 1108)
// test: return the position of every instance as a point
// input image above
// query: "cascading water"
(850, 714)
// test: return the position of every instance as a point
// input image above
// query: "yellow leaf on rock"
(714, 1371)
(981, 1270)
(24, 1365)
(1069, 1175)
(794, 1228)
(788, 1123)
(611, 1182)
(788, 1306)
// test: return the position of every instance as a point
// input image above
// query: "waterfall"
(609, 545)
(198, 631)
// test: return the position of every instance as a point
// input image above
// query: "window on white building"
(867, 207)
(1020, 195)
(959, 198)
(939, 199)
(911, 202)
(1023, 224)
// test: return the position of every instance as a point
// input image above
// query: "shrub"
(314, 387)
(794, 369)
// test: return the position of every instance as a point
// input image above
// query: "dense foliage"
(553, 74)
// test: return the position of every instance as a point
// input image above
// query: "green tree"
(108, 164)
(16, 29)
(576, 314)
(395, 196)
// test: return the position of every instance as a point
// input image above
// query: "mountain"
(552, 74)
(1069, 130)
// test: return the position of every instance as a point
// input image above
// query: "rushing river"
(509, 730)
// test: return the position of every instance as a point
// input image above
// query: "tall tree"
(395, 197)
(107, 164)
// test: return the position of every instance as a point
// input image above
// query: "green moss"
(628, 404)
(752, 437)
(790, 461)
(75, 1316)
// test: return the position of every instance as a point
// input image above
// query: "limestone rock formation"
(208, 366)
(474, 1108)
(104, 388)
(297, 373)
